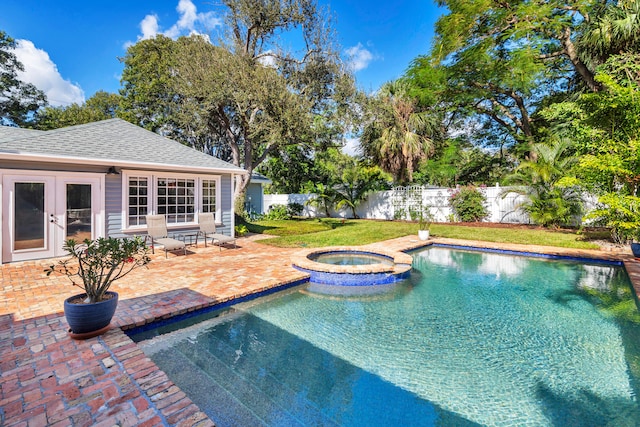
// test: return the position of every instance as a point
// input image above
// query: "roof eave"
(117, 163)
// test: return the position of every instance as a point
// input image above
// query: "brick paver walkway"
(48, 379)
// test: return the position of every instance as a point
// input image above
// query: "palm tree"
(548, 203)
(322, 196)
(615, 31)
(356, 183)
(398, 136)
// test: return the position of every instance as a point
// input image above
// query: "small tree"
(423, 215)
(322, 196)
(621, 214)
(357, 182)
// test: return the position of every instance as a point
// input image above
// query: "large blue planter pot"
(635, 248)
(88, 318)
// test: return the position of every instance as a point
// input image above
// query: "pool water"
(351, 258)
(471, 339)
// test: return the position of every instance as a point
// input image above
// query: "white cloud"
(189, 22)
(352, 147)
(149, 27)
(359, 57)
(268, 60)
(42, 72)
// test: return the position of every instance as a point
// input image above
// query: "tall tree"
(459, 162)
(148, 96)
(151, 98)
(18, 100)
(397, 135)
(503, 60)
(605, 127)
(247, 94)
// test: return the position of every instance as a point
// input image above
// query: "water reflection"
(497, 265)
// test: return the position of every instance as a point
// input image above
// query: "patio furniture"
(207, 224)
(157, 231)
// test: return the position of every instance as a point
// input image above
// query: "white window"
(209, 195)
(178, 197)
(138, 200)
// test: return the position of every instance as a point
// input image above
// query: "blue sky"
(70, 49)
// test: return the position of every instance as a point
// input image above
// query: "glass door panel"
(79, 216)
(30, 222)
(46, 209)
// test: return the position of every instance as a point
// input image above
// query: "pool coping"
(402, 261)
(110, 380)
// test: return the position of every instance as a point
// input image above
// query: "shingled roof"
(7, 133)
(112, 142)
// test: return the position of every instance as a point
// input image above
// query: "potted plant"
(93, 266)
(424, 218)
(424, 224)
(635, 242)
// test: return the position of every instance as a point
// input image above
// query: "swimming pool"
(471, 338)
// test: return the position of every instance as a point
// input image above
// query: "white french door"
(41, 211)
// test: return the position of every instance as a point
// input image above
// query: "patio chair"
(157, 231)
(207, 224)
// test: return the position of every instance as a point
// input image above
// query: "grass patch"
(563, 239)
(292, 227)
(336, 232)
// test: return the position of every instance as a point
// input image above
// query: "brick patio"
(48, 379)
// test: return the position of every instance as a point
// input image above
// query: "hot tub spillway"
(384, 267)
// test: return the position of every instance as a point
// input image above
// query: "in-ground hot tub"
(353, 266)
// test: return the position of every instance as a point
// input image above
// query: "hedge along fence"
(502, 206)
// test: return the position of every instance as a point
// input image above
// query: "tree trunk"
(241, 193)
(580, 67)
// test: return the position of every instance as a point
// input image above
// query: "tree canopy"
(498, 63)
(246, 97)
(397, 134)
(101, 106)
(18, 100)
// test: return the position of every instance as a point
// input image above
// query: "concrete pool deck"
(48, 379)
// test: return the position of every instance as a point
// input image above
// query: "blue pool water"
(471, 339)
(351, 258)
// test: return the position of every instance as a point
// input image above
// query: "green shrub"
(241, 230)
(552, 206)
(295, 209)
(277, 212)
(468, 204)
(621, 213)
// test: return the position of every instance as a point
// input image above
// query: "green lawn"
(335, 232)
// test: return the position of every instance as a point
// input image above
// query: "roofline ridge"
(83, 125)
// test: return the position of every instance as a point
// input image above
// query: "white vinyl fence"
(502, 205)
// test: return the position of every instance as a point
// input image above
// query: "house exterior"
(100, 180)
(255, 194)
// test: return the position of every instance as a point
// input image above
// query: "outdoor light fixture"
(112, 171)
